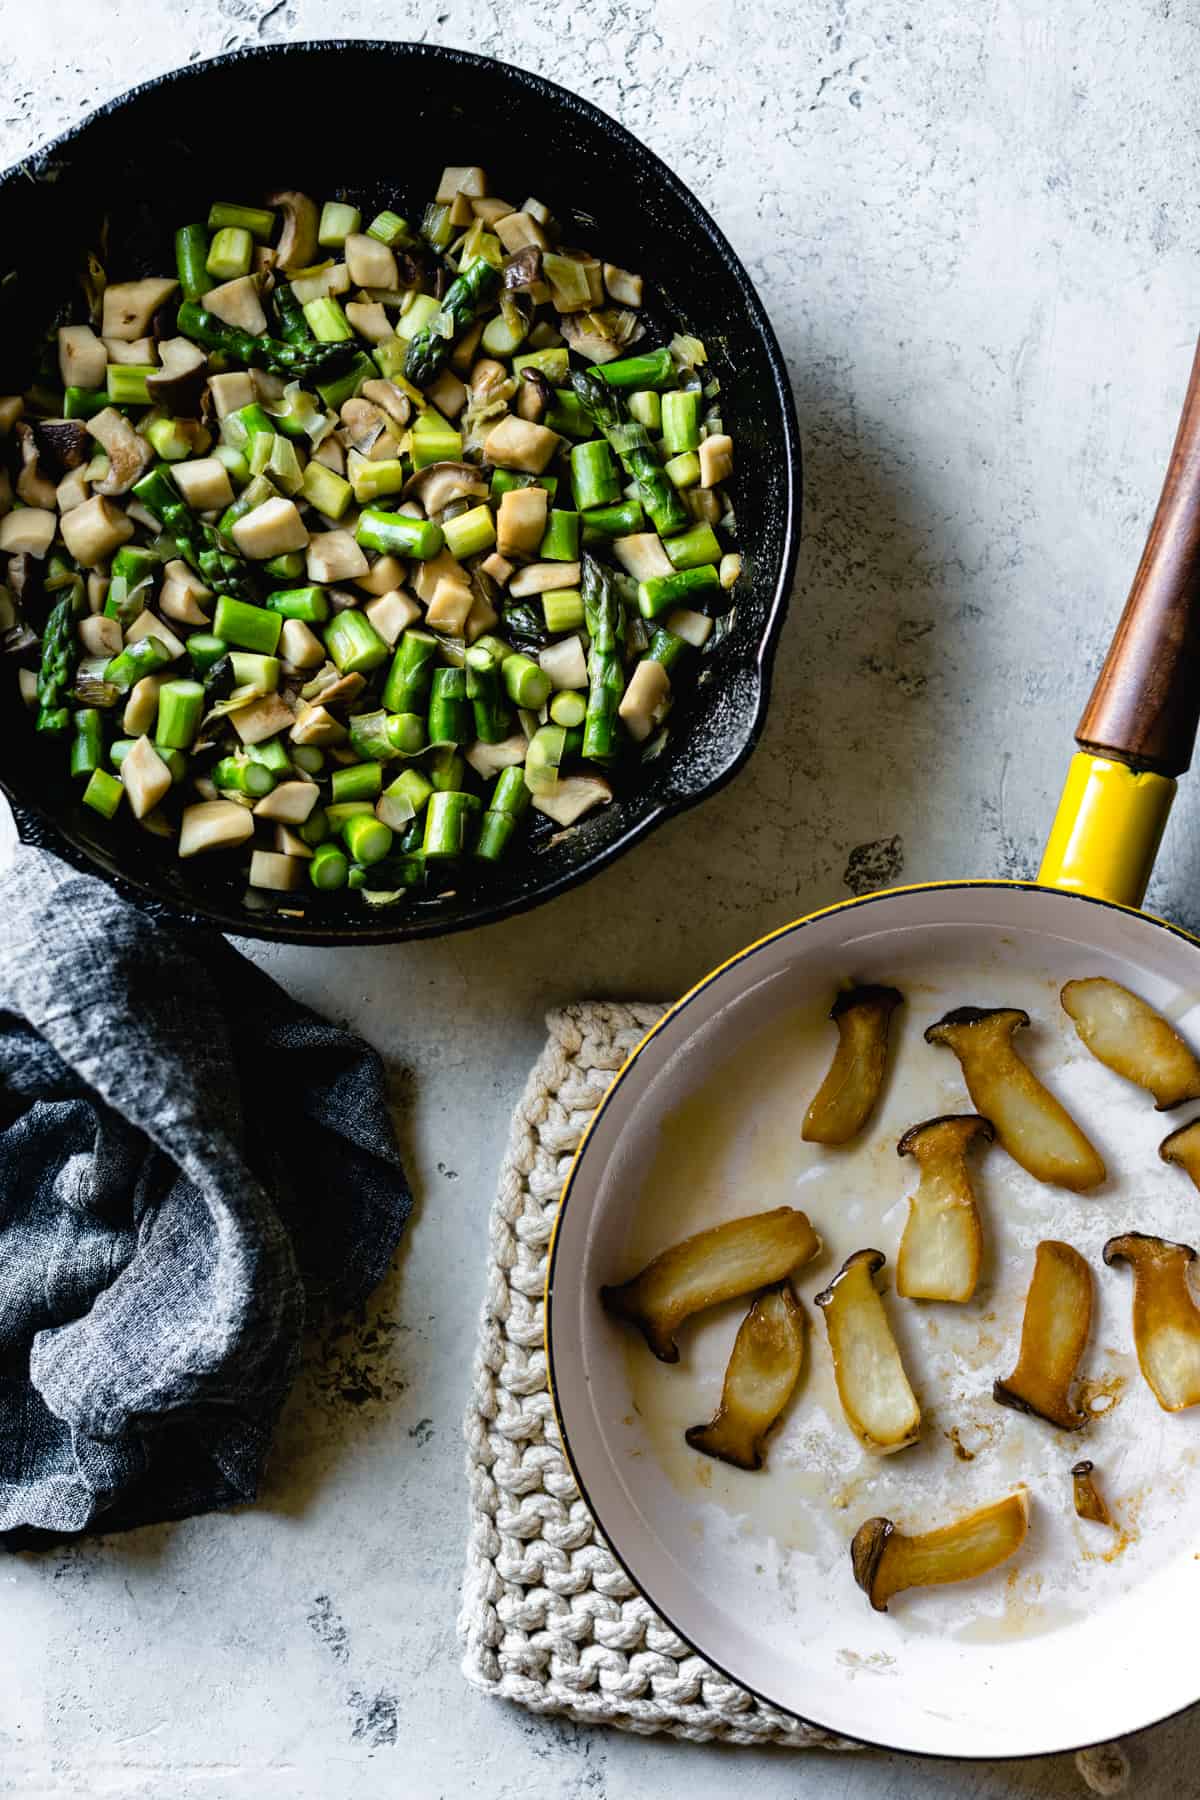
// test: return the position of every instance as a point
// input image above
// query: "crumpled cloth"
(190, 1161)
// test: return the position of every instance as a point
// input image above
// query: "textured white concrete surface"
(973, 222)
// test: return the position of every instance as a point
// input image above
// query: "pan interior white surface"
(1086, 1633)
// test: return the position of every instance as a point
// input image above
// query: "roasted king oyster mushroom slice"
(1126, 1034)
(886, 1560)
(1089, 1501)
(942, 1247)
(878, 1402)
(1054, 1335)
(738, 1257)
(1166, 1319)
(845, 1098)
(763, 1369)
(1030, 1123)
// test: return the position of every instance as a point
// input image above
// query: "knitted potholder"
(549, 1617)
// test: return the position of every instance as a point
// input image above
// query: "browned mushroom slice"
(1030, 1123)
(1183, 1147)
(849, 1091)
(942, 1246)
(1129, 1037)
(886, 1561)
(1054, 1335)
(878, 1402)
(1166, 1320)
(1089, 1501)
(720, 1264)
(763, 1368)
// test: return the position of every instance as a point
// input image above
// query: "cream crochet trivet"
(549, 1618)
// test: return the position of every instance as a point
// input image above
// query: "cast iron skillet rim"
(402, 927)
(672, 1013)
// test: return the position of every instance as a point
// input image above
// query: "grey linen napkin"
(189, 1162)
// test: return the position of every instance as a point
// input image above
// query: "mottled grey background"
(974, 225)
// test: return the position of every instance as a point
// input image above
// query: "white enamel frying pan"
(1088, 1633)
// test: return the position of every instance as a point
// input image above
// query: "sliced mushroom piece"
(573, 796)
(297, 246)
(72, 490)
(517, 229)
(1182, 1147)
(436, 485)
(272, 529)
(537, 578)
(290, 802)
(449, 606)
(30, 530)
(390, 400)
(34, 488)
(237, 303)
(82, 358)
(1054, 1335)
(99, 636)
(229, 393)
(129, 306)
(535, 397)
(459, 179)
(886, 1561)
(719, 1264)
(334, 556)
(384, 574)
(1089, 1501)
(370, 262)
(646, 700)
(183, 596)
(129, 456)
(565, 663)
(760, 1378)
(204, 483)
(269, 869)
(145, 778)
(1166, 1319)
(140, 353)
(517, 444)
(179, 383)
(1035, 1129)
(942, 1247)
(392, 613)
(625, 288)
(370, 321)
(847, 1096)
(63, 442)
(367, 429)
(521, 521)
(1126, 1034)
(879, 1404)
(427, 576)
(211, 825)
(487, 760)
(642, 555)
(488, 378)
(262, 718)
(523, 270)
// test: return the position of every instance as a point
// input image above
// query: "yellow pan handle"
(1138, 730)
(1107, 830)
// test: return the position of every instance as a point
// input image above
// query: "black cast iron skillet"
(158, 156)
